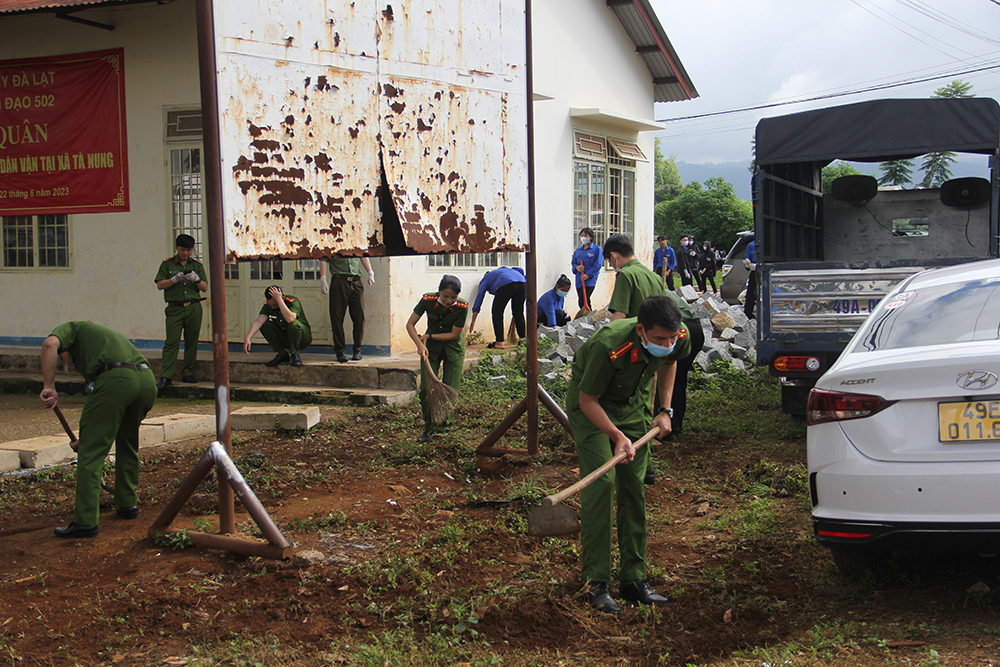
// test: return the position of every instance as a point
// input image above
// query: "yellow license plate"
(969, 420)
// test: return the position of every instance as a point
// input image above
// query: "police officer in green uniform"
(347, 293)
(121, 390)
(284, 326)
(608, 408)
(443, 342)
(633, 284)
(182, 278)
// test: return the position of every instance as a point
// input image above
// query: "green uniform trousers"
(439, 352)
(347, 296)
(623, 483)
(112, 413)
(294, 336)
(186, 320)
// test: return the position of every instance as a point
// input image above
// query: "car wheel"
(854, 561)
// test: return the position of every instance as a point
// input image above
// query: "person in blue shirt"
(507, 286)
(750, 261)
(550, 305)
(664, 262)
(593, 258)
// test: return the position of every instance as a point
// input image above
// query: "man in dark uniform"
(750, 262)
(347, 293)
(182, 278)
(284, 326)
(633, 284)
(608, 408)
(121, 390)
(443, 342)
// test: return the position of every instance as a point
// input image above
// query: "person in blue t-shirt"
(550, 305)
(750, 261)
(507, 286)
(590, 254)
(664, 262)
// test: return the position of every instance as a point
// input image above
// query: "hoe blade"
(552, 521)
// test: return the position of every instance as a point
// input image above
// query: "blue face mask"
(658, 350)
(561, 293)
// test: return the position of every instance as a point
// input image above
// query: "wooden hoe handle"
(65, 424)
(597, 474)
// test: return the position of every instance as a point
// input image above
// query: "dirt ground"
(355, 492)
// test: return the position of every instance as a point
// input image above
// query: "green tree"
(832, 172)
(937, 165)
(896, 172)
(712, 213)
(667, 179)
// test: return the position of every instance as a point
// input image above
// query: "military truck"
(825, 261)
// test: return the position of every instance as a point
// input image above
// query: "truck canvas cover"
(880, 130)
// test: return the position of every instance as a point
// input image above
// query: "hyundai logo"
(976, 380)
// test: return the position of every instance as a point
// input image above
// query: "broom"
(441, 397)
(583, 312)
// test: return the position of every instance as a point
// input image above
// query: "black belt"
(344, 276)
(185, 304)
(122, 364)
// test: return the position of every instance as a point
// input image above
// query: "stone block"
(688, 293)
(570, 328)
(702, 360)
(744, 339)
(564, 351)
(556, 335)
(739, 317)
(739, 365)
(719, 353)
(723, 321)
(45, 450)
(598, 315)
(700, 311)
(575, 343)
(708, 329)
(288, 417)
(737, 351)
(545, 366)
(497, 379)
(585, 330)
(551, 377)
(728, 334)
(714, 305)
(150, 434)
(182, 426)
(9, 460)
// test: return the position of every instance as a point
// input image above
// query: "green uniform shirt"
(634, 284)
(274, 313)
(92, 346)
(441, 320)
(614, 365)
(182, 290)
(345, 266)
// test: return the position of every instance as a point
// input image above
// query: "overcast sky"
(742, 53)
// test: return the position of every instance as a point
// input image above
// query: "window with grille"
(306, 269)
(266, 269)
(36, 241)
(604, 187)
(185, 195)
(474, 260)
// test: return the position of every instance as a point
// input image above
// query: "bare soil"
(354, 491)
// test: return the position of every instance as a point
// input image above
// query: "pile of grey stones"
(730, 335)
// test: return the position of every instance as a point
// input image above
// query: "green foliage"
(712, 213)
(176, 541)
(833, 171)
(936, 167)
(956, 88)
(896, 172)
(667, 178)
(203, 524)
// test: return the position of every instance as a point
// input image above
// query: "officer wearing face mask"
(550, 304)
(608, 406)
(587, 262)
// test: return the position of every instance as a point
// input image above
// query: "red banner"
(63, 147)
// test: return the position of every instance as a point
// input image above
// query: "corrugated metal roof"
(9, 6)
(670, 81)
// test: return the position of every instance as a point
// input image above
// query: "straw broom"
(441, 397)
(583, 312)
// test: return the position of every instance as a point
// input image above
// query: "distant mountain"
(739, 176)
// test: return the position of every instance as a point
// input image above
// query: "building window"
(306, 269)
(36, 241)
(266, 269)
(185, 195)
(485, 260)
(604, 187)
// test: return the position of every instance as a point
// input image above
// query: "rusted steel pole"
(554, 408)
(187, 488)
(531, 272)
(229, 474)
(216, 243)
(486, 446)
(234, 544)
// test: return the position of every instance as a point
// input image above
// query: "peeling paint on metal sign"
(314, 98)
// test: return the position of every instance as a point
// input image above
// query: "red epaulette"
(167, 259)
(619, 351)
(290, 299)
(430, 297)
(461, 304)
(683, 333)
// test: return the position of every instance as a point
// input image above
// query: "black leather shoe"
(356, 356)
(423, 438)
(650, 478)
(163, 382)
(189, 379)
(76, 530)
(278, 359)
(296, 360)
(640, 591)
(341, 357)
(601, 600)
(128, 512)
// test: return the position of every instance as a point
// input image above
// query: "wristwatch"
(669, 411)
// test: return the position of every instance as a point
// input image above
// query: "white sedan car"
(904, 429)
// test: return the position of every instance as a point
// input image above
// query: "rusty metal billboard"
(363, 127)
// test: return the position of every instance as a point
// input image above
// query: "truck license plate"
(969, 420)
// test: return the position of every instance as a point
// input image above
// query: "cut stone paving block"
(150, 434)
(545, 366)
(702, 360)
(745, 339)
(728, 334)
(9, 460)
(740, 318)
(182, 426)
(738, 364)
(723, 321)
(688, 293)
(714, 305)
(42, 451)
(288, 417)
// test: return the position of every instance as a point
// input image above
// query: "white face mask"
(684, 244)
(584, 240)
